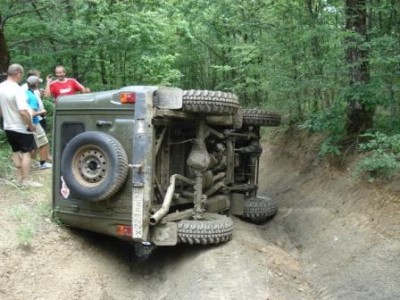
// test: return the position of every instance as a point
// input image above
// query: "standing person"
(39, 94)
(42, 118)
(17, 123)
(41, 140)
(62, 85)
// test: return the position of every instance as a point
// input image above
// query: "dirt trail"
(331, 239)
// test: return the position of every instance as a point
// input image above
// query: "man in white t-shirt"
(17, 123)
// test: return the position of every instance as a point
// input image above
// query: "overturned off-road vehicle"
(158, 165)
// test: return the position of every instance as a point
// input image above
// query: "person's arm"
(38, 113)
(80, 88)
(47, 92)
(36, 104)
(24, 108)
(27, 118)
(39, 99)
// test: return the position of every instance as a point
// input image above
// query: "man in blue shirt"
(42, 142)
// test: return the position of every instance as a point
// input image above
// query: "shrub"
(383, 156)
(331, 122)
(6, 165)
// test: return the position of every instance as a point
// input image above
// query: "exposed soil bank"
(347, 233)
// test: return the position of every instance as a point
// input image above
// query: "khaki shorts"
(40, 136)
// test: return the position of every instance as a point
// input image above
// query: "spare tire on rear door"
(94, 165)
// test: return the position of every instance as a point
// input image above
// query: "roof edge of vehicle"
(109, 98)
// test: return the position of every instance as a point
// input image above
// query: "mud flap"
(169, 98)
(237, 204)
(164, 234)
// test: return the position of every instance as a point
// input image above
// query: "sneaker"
(46, 165)
(31, 183)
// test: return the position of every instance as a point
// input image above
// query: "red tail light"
(124, 230)
(126, 98)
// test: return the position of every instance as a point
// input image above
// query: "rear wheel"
(213, 229)
(210, 102)
(260, 117)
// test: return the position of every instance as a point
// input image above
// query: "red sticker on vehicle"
(64, 189)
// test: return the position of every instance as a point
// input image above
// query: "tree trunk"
(103, 72)
(74, 65)
(4, 54)
(360, 114)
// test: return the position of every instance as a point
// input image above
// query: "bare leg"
(16, 158)
(25, 166)
(49, 157)
(44, 152)
(34, 154)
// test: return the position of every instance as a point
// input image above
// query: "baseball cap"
(33, 79)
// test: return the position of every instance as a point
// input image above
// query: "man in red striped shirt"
(62, 85)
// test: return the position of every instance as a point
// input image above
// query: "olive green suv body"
(158, 165)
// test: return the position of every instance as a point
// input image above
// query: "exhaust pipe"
(158, 215)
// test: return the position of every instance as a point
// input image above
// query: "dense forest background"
(328, 66)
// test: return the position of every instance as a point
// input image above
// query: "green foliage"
(288, 55)
(331, 120)
(331, 146)
(386, 122)
(383, 156)
(380, 143)
(383, 165)
(26, 223)
(43, 209)
(48, 104)
(6, 165)
(118, 42)
(28, 220)
(332, 123)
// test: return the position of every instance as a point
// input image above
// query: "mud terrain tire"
(259, 117)
(260, 209)
(213, 229)
(94, 165)
(210, 102)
